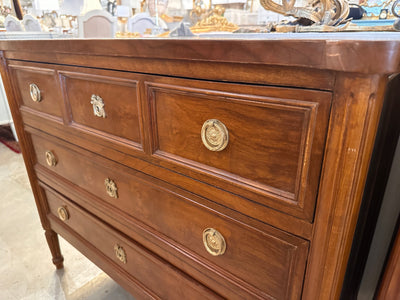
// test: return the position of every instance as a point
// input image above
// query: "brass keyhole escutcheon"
(214, 242)
(98, 106)
(35, 92)
(50, 159)
(111, 188)
(63, 213)
(120, 253)
(214, 135)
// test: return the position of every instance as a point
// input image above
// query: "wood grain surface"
(286, 192)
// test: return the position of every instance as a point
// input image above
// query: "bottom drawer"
(160, 278)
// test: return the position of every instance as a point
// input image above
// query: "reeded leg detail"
(54, 245)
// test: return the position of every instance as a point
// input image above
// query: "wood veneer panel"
(356, 110)
(285, 137)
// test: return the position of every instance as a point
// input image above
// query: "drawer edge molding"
(120, 262)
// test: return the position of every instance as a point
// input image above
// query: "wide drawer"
(162, 279)
(38, 89)
(267, 263)
(265, 142)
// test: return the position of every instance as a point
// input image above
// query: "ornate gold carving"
(35, 92)
(214, 242)
(50, 159)
(215, 22)
(120, 253)
(98, 106)
(321, 12)
(63, 213)
(111, 188)
(214, 135)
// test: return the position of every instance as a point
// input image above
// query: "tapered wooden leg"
(54, 245)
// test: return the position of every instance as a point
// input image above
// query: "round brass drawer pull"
(111, 188)
(35, 92)
(214, 135)
(51, 159)
(98, 106)
(63, 213)
(120, 253)
(214, 242)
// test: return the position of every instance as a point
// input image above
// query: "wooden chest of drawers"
(211, 169)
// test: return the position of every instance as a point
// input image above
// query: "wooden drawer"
(104, 105)
(268, 263)
(44, 81)
(163, 280)
(266, 143)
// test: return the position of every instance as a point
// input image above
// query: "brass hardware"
(98, 106)
(63, 213)
(51, 159)
(111, 188)
(35, 92)
(120, 253)
(214, 135)
(214, 242)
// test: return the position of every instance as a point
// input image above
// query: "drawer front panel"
(38, 89)
(259, 140)
(270, 264)
(107, 105)
(157, 275)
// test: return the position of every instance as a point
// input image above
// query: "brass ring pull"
(120, 253)
(214, 242)
(35, 92)
(98, 106)
(111, 188)
(51, 159)
(63, 213)
(214, 135)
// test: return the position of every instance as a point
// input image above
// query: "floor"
(26, 270)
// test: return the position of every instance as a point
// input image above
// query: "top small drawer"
(104, 105)
(264, 143)
(38, 89)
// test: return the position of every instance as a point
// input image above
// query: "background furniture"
(31, 23)
(11, 23)
(97, 24)
(199, 168)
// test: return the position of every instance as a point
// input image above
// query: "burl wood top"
(373, 53)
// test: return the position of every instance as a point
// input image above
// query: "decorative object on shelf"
(383, 15)
(214, 23)
(200, 11)
(112, 7)
(89, 5)
(396, 25)
(325, 12)
(396, 8)
(181, 30)
(356, 11)
(157, 7)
